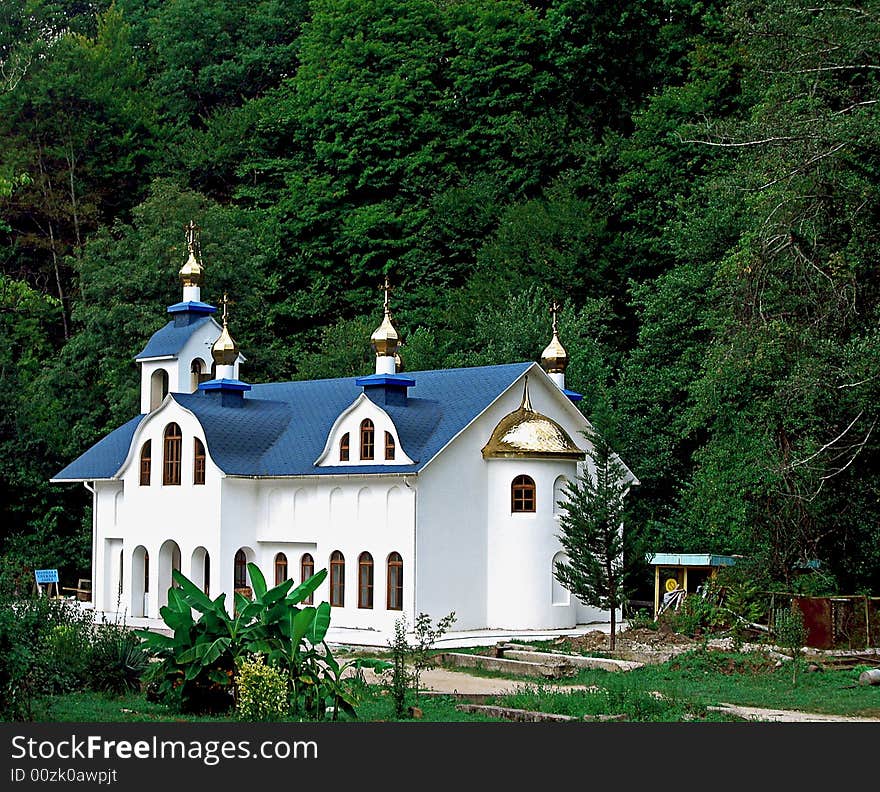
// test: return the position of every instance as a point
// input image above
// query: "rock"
(415, 712)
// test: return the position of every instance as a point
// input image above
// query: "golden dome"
(225, 350)
(527, 433)
(554, 358)
(192, 272)
(385, 339)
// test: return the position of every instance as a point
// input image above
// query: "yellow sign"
(671, 584)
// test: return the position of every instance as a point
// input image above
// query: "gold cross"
(192, 238)
(387, 287)
(226, 302)
(554, 308)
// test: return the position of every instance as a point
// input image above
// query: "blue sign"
(46, 575)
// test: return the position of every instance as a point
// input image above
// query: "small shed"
(685, 571)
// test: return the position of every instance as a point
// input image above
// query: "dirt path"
(787, 716)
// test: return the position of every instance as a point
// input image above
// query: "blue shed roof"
(104, 458)
(281, 428)
(171, 338)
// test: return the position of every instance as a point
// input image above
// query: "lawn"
(678, 690)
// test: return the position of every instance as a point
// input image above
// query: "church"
(419, 492)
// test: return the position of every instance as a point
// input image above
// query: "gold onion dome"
(192, 272)
(554, 358)
(385, 340)
(225, 350)
(528, 433)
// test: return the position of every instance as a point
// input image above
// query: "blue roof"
(281, 428)
(104, 458)
(440, 405)
(171, 338)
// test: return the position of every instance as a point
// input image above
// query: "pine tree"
(591, 520)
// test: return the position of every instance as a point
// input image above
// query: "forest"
(695, 181)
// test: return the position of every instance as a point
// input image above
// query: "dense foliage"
(696, 181)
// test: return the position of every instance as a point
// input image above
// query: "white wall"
(293, 516)
(152, 515)
(178, 366)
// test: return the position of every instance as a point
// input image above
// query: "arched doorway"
(140, 581)
(169, 559)
(200, 569)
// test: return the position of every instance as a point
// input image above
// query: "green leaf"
(277, 593)
(302, 621)
(257, 581)
(320, 625)
(304, 589)
(192, 594)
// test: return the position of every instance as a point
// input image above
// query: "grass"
(678, 690)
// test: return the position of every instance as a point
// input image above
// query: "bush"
(261, 690)
(118, 660)
(64, 655)
(45, 645)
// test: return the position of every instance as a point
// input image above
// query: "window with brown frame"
(395, 582)
(280, 568)
(146, 463)
(307, 569)
(389, 446)
(368, 436)
(171, 457)
(344, 449)
(199, 462)
(522, 494)
(365, 581)
(239, 577)
(337, 579)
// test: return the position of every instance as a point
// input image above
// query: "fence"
(847, 621)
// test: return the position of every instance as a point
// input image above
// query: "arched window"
(198, 462)
(146, 461)
(195, 374)
(158, 387)
(280, 568)
(389, 446)
(368, 433)
(171, 459)
(307, 569)
(395, 582)
(240, 570)
(522, 494)
(559, 494)
(344, 448)
(365, 581)
(337, 579)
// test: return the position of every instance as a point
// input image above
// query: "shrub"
(64, 654)
(261, 690)
(118, 660)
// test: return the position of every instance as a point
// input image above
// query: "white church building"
(419, 492)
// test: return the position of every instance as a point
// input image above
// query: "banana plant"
(199, 658)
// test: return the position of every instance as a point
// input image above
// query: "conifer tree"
(591, 520)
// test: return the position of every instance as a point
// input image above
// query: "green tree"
(591, 523)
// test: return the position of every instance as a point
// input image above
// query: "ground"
(638, 644)
(641, 645)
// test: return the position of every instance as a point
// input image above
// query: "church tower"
(178, 356)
